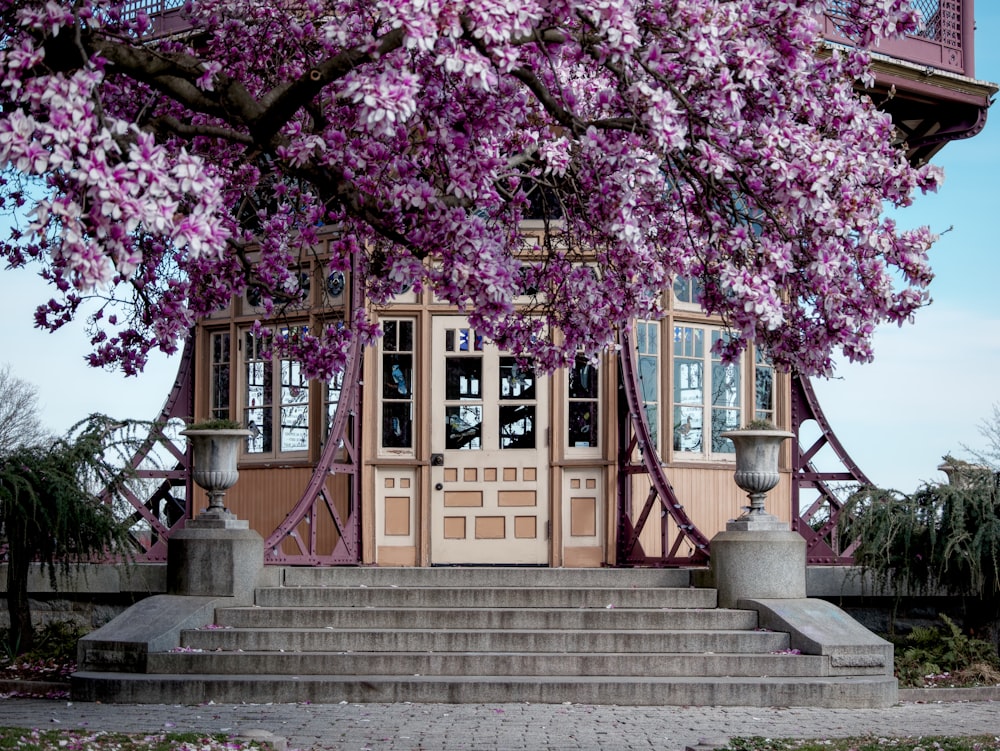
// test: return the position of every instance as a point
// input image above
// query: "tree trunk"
(21, 636)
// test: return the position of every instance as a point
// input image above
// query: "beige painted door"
(489, 478)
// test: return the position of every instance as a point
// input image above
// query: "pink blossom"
(415, 137)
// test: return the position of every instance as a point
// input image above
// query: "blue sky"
(934, 382)
(927, 392)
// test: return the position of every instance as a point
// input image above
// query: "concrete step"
(487, 576)
(482, 640)
(488, 663)
(488, 618)
(485, 597)
(597, 636)
(852, 692)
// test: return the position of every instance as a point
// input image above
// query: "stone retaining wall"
(90, 595)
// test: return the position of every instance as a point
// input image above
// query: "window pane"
(257, 411)
(294, 388)
(463, 378)
(397, 384)
(688, 382)
(517, 426)
(723, 420)
(763, 388)
(653, 419)
(397, 374)
(583, 424)
(462, 340)
(294, 395)
(258, 422)
(333, 391)
(689, 342)
(648, 378)
(682, 289)
(725, 385)
(406, 336)
(220, 376)
(295, 428)
(687, 428)
(517, 381)
(390, 336)
(647, 345)
(463, 427)
(687, 289)
(582, 380)
(397, 425)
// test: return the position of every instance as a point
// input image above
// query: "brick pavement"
(499, 727)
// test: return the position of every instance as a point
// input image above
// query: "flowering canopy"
(711, 139)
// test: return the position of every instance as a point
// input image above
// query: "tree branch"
(282, 102)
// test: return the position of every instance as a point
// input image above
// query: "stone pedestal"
(758, 559)
(215, 555)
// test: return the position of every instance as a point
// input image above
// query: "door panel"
(489, 486)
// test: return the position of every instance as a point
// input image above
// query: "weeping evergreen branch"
(57, 508)
(942, 538)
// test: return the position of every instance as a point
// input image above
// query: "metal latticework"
(160, 500)
(320, 502)
(817, 495)
(164, 463)
(682, 543)
(941, 19)
(817, 505)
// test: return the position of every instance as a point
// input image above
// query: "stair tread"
(495, 653)
(480, 679)
(486, 608)
(437, 630)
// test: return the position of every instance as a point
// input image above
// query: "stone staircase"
(469, 635)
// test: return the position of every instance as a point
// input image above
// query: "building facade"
(436, 448)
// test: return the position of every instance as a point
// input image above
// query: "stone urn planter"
(216, 554)
(214, 455)
(757, 452)
(757, 557)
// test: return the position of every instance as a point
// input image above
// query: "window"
(397, 384)
(275, 401)
(330, 400)
(711, 397)
(687, 291)
(463, 390)
(517, 404)
(219, 397)
(582, 412)
(763, 388)
(647, 337)
(706, 393)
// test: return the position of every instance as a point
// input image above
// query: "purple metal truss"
(164, 509)
(681, 541)
(300, 527)
(163, 512)
(817, 518)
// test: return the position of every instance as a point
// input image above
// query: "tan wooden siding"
(710, 498)
(265, 495)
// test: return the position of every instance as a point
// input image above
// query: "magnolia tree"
(153, 177)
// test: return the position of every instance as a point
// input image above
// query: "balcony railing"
(165, 14)
(945, 42)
